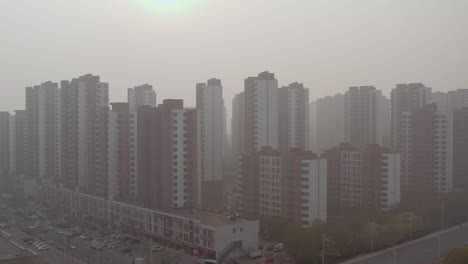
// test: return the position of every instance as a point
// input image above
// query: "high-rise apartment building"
(313, 130)
(405, 99)
(330, 121)
(261, 112)
(363, 178)
(460, 148)
(293, 117)
(210, 106)
(84, 130)
(41, 132)
(289, 185)
(142, 95)
(119, 159)
(427, 140)
(4, 143)
(238, 126)
(211, 109)
(17, 123)
(366, 114)
(451, 100)
(168, 147)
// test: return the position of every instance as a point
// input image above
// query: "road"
(422, 251)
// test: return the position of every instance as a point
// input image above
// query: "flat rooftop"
(207, 217)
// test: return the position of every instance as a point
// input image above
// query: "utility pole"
(441, 230)
(411, 227)
(372, 237)
(324, 236)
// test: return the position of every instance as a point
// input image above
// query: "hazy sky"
(327, 44)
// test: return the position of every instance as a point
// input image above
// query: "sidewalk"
(395, 248)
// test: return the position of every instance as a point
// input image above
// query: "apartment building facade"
(142, 95)
(289, 185)
(293, 117)
(168, 144)
(363, 178)
(4, 143)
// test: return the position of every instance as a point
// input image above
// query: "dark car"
(135, 241)
(125, 250)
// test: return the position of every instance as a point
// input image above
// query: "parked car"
(125, 250)
(156, 248)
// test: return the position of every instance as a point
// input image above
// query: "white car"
(72, 247)
(156, 248)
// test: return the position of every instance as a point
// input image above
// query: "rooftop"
(208, 217)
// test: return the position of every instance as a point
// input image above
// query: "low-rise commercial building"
(199, 232)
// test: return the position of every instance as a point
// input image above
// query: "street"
(423, 251)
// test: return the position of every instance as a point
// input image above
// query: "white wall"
(317, 191)
(113, 152)
(266, 111)
(443, 152)
(249, 236)
(391, 173)
(212, 132)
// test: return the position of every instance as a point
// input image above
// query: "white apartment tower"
(211, 110)
(294, 117)
(142, 95)
(42, 156)
(261, 112)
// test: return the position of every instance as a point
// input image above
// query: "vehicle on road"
(156, 248)
(207, 261)
(278, 247)
(96, 244)
(72, 247)
(125, 250)
(255, 254)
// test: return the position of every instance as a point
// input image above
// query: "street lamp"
(411, 227)
(372, 237)
(324, 236)
(440, 233)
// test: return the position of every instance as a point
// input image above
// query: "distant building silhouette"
(16, 149)
(330, 121)
(4, 143)
(367, 116)
(405, 99)
(293, 117)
